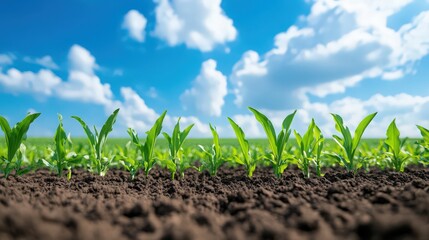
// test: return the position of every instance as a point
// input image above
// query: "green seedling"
(147, 148)
(310, 148)
(425, 134)
(276, 144)
(212, 159)
(248, 161)
(423, 144)
(60, 155)
(129, 159)
(14, 139)
(97, 141)
(348, 143)
(175, 142)
(396, 156)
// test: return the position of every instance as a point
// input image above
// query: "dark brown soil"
(375, 205)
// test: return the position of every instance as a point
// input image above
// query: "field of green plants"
(310, 151)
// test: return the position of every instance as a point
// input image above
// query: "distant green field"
(191, 142)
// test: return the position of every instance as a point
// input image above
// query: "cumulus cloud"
(199, 24)
(135, 23)
(415, 37)
(207, 92)
(41, 83)
(83, 84)
(81, 60)
(339, 44)
(45, 61)
(134, 111)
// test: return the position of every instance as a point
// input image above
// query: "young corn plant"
(147, 148)
(423, 154)
(248, 161)
(373, 155)
(14, 141)
(129, 159)
(310, 148)
(176, 162)
(320, 141)
(213, 159)
(97, 141)
(60, 154)
(349, 144)
(396, 156)
(276, 144)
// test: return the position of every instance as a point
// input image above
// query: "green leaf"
(184, 134)
(105, 130)
(167, 137)
(216, 144)
(18, 132)
(134, 137)
(60, 142)
(268, 128)
(88, 132)
(241, 137)
(152, 134)
(347, 137)
(5, 128)
(298, 138)
(287, 122)
(175, 138)
(361, 129)
(424, 132)
(393, 140)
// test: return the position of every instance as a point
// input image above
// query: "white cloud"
(207, 92)
(81, 60)
(135, 23)
(339, 44)
(45, 61)
(393, 75)
(84, 87)
(6, 59)
(40, 83)
(82, 84)
(199, 24)
(416, 38)
(134, 111)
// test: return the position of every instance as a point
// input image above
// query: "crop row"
(311, 153)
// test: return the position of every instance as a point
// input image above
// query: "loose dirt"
(374, 205)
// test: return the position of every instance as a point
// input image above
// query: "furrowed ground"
(369, 205)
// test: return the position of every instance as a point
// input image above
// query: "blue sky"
(205, 60)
